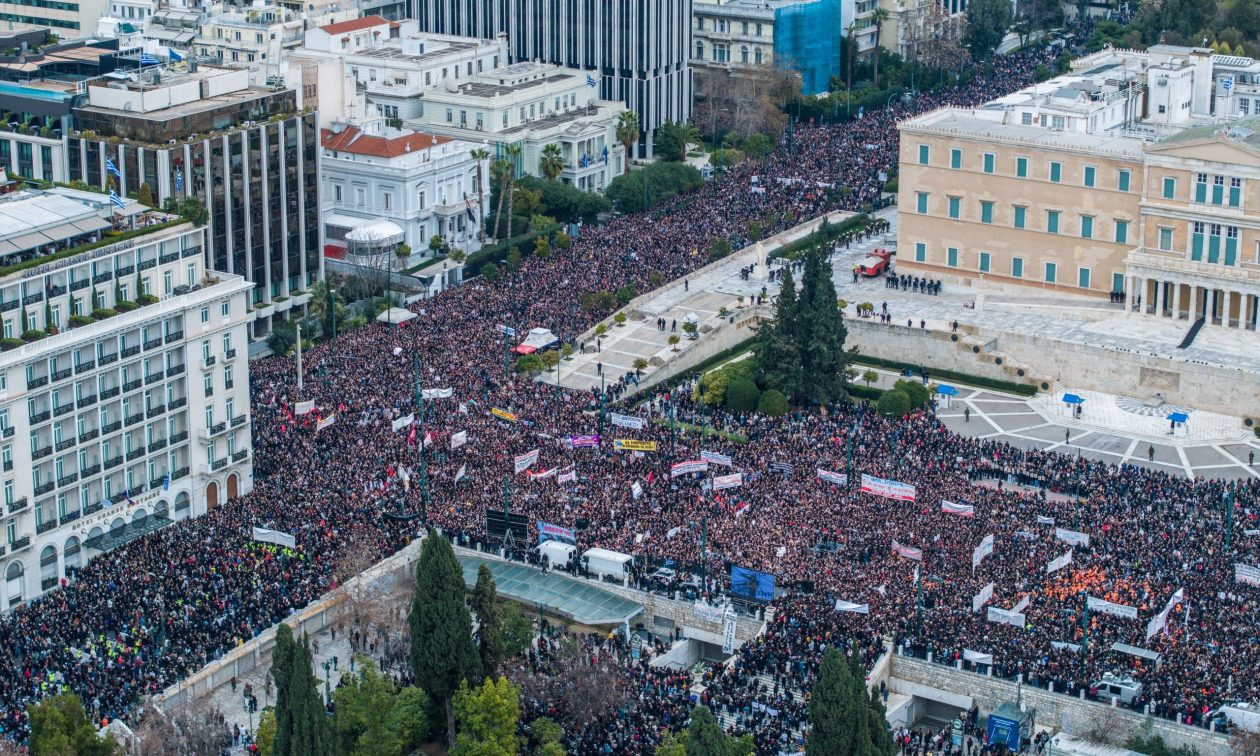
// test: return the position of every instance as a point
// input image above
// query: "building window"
(1170, 187)
(1056, 172)
(1235, 191)
(986, 211)
(388, 199)
(1017, 267)
(1087, 226)
(1051, 269)
(1122, 180)
(1021, 167)
(1200, 187)
(1165, 238)
(1117, 282)
(1082, 278)
(1218, 190)
(920, 252)
(1231, 245)
(1122, 232)
(1090, 173)
(955, 159)
(1052, 221)
(1196, 240)
(955, 205)
(989, 159)
(224, 308)
(984, 262)
(1021, 213)
(336, 192)
(1026, 118)
(925, 153)
(921, 202)
(951, 257)
(450, 115)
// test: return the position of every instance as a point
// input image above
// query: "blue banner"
(549, 532)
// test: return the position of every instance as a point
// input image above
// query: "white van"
(556, 554)
(605, 563)
(1123, 690)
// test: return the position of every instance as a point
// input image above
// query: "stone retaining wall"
(1089, 719)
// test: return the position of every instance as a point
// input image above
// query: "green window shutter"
(986, 212)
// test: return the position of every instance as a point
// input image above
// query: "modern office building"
(638, 50)
(533, 105)
(247, 152)
(1117, 177)
(124, 400)
(67, 18)
(385, 186)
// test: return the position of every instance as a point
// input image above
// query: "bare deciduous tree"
(933, 37)
(589, 691)
(746, 100)
(197, 728)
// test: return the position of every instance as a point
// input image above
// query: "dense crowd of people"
(140, 618)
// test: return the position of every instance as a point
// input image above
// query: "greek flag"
(174, 56)
(147, 59)
(179, 180)
(166, 482)
(591, 82)
(116, 200)
(605, 154)
(111, 168)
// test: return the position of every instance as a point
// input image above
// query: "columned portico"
(1225, 296)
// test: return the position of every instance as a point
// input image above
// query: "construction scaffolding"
(807, 40)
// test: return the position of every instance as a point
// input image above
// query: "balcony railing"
(86, 401)
(179, 437)
(180, 473)
(41, 453)
(76, 285)
(111, 463)
(56, 291)
(67, 479)
(90, 470)
(191, 251)
(8, 432)
(218, 428)
(129, 351)
(69, 517)
(229, 354)
(209, 361)
(179, 402)
(174, 370)
(62, 374)
(85, 366)
(157, 445)
(105, 359)
(93, 508)
(172, 257)
(63, 409)
(111, 427)
(66, 443)
(133, 385)
(135, 454)
(36, 382)
(174, 336)
(153, 343)
(20, 543)
(48, 583)
(155, 411)
(239, 420)
(152, 379)
(218, 464)
(126, 270)
(229, 384)
(89, 435)
(135, 418)
(102, 277)
(8, 466)
(40, 417)
(44, 488)
(18, 505)
(242, 454)
(110, 393)
(45, 526)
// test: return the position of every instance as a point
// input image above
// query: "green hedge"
(971, 380)
(832, 231)
(497, 253)
(707, 430)
(37, 261)
(865, 392)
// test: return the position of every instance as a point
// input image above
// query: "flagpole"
(424, 488)
(299, 360)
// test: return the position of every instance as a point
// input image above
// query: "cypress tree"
(778, 354)
(301, 727)
(442, 652)
(821, 331)
(485, 597)
(831, 732)
(704, 735)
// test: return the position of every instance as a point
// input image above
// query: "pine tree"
(281, 674)
(778, 356)
(442, 652)
(489, 622)
(704, 735)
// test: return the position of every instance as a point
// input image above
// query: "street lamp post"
(249, 708)
(327, 683)
(424, 482)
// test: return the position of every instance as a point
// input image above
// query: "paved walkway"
(1080, 320)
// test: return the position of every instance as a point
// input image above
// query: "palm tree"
(551, 164)
(879, 16)
(628, 131)
(513, 154)
(480, 155)
(848, 60)
(501, 169)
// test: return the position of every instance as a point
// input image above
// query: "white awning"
(344, 221)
